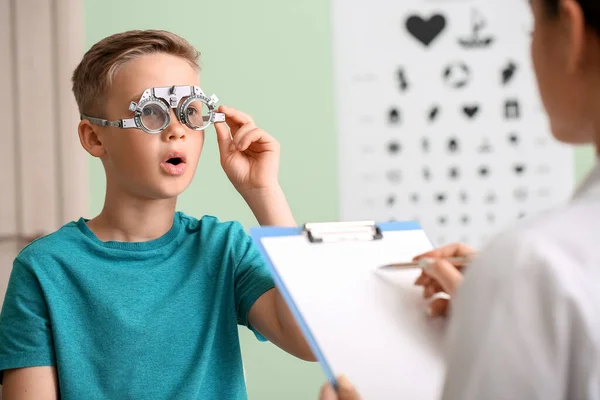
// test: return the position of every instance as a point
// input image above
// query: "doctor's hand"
(345, 391)
(441, 276)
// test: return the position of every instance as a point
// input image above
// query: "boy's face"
(154, 166)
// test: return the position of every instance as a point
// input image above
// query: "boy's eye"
(194, 112)
(148, 111)
(153, 116)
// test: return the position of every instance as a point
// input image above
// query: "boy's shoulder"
(58, 241)
(209, 225)
(218, 237)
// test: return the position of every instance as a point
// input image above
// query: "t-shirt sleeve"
(25, 331)
(509, 336)
(252, 277)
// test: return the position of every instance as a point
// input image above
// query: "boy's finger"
(224, 139)
(256, 135)
(237, 136)
(233, 126)
(243, 128)
(235, 117)
(248, 138)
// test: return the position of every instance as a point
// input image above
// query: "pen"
(422, 263)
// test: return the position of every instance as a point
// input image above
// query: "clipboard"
(361, 321)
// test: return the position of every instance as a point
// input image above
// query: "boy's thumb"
(224, 138)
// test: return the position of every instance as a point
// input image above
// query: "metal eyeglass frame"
(166, 97)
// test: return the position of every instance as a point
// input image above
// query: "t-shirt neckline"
(133, 246)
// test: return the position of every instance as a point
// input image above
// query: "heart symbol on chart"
(425, 31)
(470, 111)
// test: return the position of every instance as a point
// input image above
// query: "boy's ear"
(89, 139)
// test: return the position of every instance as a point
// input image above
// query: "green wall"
(271, 59)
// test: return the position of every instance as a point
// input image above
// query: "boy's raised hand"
(249, 155)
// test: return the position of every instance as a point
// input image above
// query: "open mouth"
(174, 164)
(175, 160)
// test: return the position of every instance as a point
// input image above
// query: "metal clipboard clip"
(332, 232)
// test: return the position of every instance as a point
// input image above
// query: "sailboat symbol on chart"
(478, 23)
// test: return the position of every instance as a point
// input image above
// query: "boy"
(143, 302)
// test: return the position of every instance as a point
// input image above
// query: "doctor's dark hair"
(590, 8)
(94, 75)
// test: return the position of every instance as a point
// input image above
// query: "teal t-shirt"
(145, 320)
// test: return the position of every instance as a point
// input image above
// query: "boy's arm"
(270, 314)
(270, 207)
(26, 347)
(250, 158)
(35, 383)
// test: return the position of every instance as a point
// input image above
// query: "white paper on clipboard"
(363, 322)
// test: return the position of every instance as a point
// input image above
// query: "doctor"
(526, 320)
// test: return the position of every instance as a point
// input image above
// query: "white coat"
(525, 324)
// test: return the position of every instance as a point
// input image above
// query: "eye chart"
(439, 117)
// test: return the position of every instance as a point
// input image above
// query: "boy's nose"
(175, 130)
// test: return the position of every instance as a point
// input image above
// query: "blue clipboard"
(372, 229)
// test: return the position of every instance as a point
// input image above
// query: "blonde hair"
(94, 75)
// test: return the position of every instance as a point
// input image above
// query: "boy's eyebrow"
(135, 98)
